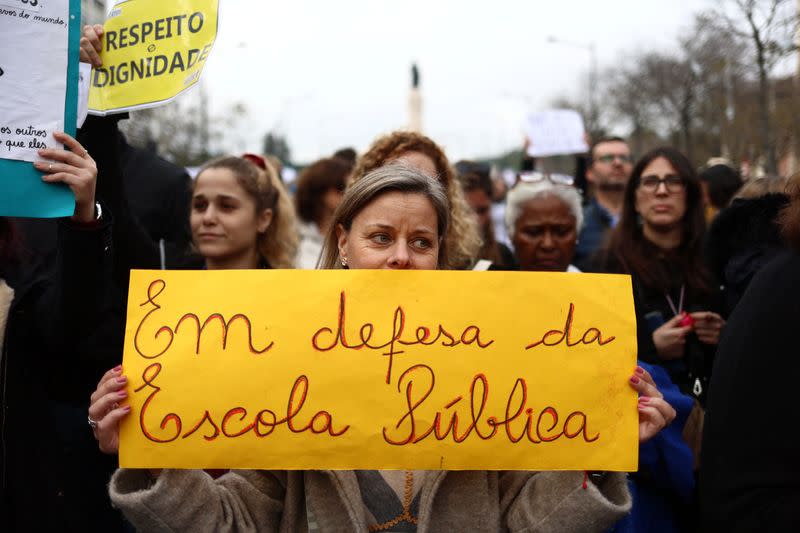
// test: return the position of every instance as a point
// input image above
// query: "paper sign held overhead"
(27, 5)
(555, 132)
(152, 52)
(38, 84)
(380, 370)
(34, 78)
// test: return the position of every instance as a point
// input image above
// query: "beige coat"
(330, 501)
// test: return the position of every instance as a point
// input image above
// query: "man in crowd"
(609, 169)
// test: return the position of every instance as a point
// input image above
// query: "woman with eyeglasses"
(659, 242)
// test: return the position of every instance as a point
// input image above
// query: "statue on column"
(415, 102)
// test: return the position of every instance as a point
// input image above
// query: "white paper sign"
(29, 5)
(33, 75)
(555, 132)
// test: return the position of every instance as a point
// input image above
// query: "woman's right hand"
(670, 338)
(106, 409)
(91, 45)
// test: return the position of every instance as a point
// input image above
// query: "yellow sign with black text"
(363, 369)
(152, 52)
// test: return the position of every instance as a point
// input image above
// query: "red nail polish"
(126, 408)
(634, 379)
(122, 394)
(122, 379)
(640, 370)
(644, 399)
(117, 368)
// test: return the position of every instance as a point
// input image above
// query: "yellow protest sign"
(365, 369)
(152, 52)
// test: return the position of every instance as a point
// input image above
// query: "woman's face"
(421, 162)
(223, 217)
(661, 204)
(395, 231)
(545, 235)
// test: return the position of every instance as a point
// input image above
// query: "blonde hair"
(463, 240)
(281, 240)
(388, 178)
(790, 217)
(758, 187)
(278, 244)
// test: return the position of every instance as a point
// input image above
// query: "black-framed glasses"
(672, 183)
(555, 179)
(610, 158)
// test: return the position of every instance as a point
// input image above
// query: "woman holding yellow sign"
(395, 217)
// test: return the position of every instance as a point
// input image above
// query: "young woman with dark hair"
(659, 242)
(319, 190)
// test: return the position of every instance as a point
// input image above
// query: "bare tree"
(629, 101)
(672, 84)
(769, 27)
(717, 57)
(596, 118)
(276, 144)
(701, 96)
(182, 131)
(657, 92)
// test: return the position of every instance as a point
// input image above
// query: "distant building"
(93, 11)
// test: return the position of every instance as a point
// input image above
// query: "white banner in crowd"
(555, 132)
(33, 75)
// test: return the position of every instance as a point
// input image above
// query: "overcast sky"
(334, 73)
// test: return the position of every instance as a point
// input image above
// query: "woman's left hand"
(654, 412)
(708, 326)
(75, 168)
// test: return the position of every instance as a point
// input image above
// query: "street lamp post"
(592, 85)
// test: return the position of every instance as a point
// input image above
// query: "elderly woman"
(543, 219)
(395, 217)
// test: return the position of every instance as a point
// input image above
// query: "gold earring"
(344, 261)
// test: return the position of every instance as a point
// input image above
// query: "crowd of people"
(715, 311)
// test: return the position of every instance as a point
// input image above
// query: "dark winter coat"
(750, 476)
(40, 378)
(692, 372)
(742, 239)
(157, 193)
